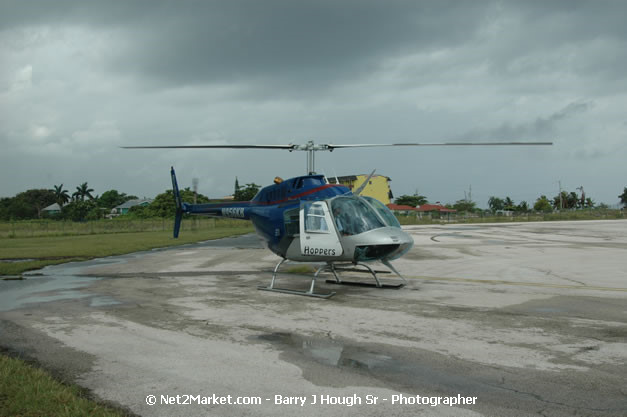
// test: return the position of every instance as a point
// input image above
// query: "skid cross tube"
(308, 293)
(377, 284)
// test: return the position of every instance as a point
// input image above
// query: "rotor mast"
(310, 147)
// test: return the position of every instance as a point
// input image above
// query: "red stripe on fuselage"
(297, 196)
(261, 203)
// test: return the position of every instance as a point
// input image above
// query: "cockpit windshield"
(354, 216)
(383, 211)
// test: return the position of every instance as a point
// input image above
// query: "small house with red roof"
(426, 210)
(401, 209)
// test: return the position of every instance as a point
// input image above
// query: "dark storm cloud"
(196, 42)
(285, 45)
(540, 129)
(300, 45)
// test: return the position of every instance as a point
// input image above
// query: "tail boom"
(239, 210)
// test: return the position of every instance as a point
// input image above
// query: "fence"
(39, 228)
(585, 214)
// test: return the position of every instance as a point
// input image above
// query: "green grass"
(57, 249)
(26, 391)
(121, 224)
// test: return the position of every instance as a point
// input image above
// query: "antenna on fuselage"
(326, 180)
(364, 184)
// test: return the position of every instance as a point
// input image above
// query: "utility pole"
(583, 196)
(468, 196)
(195, 188)
(560, 185)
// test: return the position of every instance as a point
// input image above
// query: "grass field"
(19, 254)
(26, 391)
(122, 224)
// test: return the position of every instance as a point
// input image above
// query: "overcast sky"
(79, 79)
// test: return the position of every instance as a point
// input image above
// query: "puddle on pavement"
(413, 370)
(103, 301)
(68, 281)
(34, 290)
(548, 310)
(55, 283)
(327, 351)
(496, 242)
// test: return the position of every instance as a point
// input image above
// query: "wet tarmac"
(62, 282)
(529, 319)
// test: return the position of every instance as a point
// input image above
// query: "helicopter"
(308, 219)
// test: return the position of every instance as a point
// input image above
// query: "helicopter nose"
(405, 242)
(389, 243)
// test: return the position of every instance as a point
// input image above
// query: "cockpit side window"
(383, 211)
(353, 216)
(314, 218)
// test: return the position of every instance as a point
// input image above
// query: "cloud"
(294, 46)
(79, 78)
(540, 129)
(40, 132)
(23, 79)
(100, 132)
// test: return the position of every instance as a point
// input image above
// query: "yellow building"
(378, 187)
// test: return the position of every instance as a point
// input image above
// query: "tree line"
(78, 206)
(562, 201)
(84, 205)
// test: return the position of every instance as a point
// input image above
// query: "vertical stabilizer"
(179, 205)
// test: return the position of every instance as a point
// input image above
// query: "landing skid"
(365, 284)
(309, 293)
(331, 267)
(377, 284)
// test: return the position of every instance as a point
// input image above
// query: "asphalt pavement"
(513, 319)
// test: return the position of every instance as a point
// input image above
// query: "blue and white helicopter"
(308, 219)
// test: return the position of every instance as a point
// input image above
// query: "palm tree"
(496, 204)
(623, 197)
(61, 195)
(508, 203)
(523, 206)
(83, 191)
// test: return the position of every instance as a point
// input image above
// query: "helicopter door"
(318, 236)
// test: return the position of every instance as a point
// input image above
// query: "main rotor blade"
(368, 145)
(288, 147)
(329, 147)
